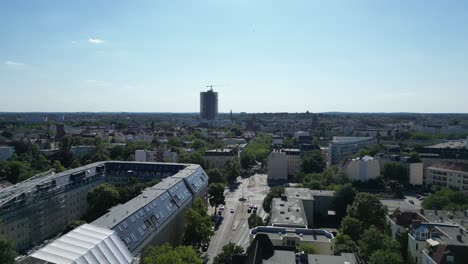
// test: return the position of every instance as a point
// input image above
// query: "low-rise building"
(448, 174)
(344, 147)
(217, 158)
(6, 152)
(301, 208)
(362, 169)
(82, 150)
(321, 240)
(159, 155)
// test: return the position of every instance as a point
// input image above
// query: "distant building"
(59, 131)
(362, 169)
(277, 165)
(158, 155)
(6, 152)
(277, 141)
(416, 173)
(209, 105)
(217, 158)
(344, 147)
(82, 150)
(448, 174)
(301, 134)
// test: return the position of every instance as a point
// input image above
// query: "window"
(417, 246)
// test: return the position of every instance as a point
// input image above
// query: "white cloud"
(95, 41)
(14, 63)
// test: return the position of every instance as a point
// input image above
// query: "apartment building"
(344, 147)
(44, 205)
(217, 158)
(362, 169)
(448, 174)
(277, 165)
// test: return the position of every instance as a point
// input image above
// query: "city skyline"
(298, 56)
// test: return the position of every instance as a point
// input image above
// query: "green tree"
(254, 220)
(395, 171)
(198, 226)
(216, 194)
(313, 163)
(100, 199)
(385, 257)
(247, 159)
(198, 144)
(229, 250)
(7, 251)
(351, 227)
(368, 209)
(13, 170)
(402, 239)
(446, 199)
(343, 197)
(7, 134)
(344, 244)
(236, 131)
(174, 142)
(215, 176)
(58, 167)
(395, 188)
(306, 248)
(275, 192)
(373, 240)
(232, 170)
(165, 254)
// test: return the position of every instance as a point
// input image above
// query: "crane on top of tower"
(214, 85)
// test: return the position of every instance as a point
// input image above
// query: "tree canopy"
(313, 163)
(368, 209)
(373, 240)
(395, 171)
(7, 251)
(343, 197)
(446, 199)
(198, 226)
(254, 220)
(306, 248)
(166, 254)
(100, 199)
(229, 250)
(216, 194)
(274, 192)
(385, 257)
(351, 227)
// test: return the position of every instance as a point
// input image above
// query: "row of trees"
(256, 150)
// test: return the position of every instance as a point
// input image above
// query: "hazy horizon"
(294, 56)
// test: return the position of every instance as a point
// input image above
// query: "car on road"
(249, 210)
(232, 210)
(411, 201)
(242, 199)
(204, 247)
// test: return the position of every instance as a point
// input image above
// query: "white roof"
(87, 244)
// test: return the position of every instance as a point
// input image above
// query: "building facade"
(6, 152)
(344, 147)
(209, 105)
(362, 169)
(277, 165)
(217, 158)
(44, 205)
(448, 174)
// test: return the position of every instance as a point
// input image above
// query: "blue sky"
(272, 56)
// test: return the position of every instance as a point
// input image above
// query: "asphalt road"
(234, 227)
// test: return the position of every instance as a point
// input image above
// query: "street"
(234, 227)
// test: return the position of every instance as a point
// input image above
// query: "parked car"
(232, 210)
(411, 201)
